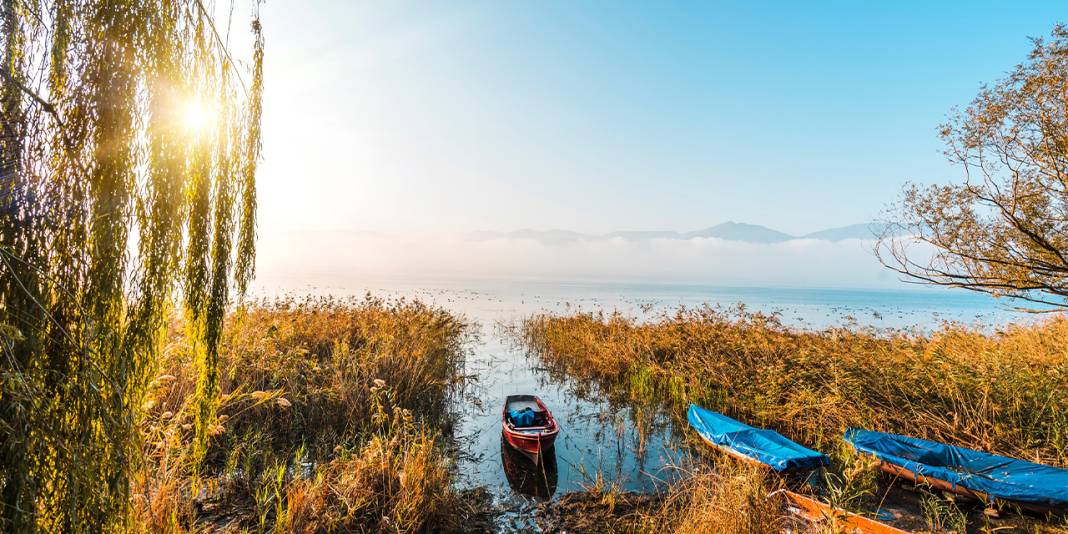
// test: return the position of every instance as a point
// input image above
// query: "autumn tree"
(1003, 229)
(129, 136)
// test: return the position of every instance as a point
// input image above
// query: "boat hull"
(996, 480)
(735, 454)
(905, 474)
(537, 479)
(531, 440)
(530, 443)
(818, 512)
(957, 489)
(751, 444)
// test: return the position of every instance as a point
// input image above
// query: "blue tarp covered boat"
(985, 476)
(753, 444)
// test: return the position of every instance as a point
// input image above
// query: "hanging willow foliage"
(128, 149)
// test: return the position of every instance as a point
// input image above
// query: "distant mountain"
(863, 231)
(729, 231)
(853, 231)
(734, 231)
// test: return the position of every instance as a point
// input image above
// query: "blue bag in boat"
(520, 418)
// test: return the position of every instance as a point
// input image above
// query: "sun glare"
(197, 116)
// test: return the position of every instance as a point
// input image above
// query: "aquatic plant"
(399, 481)
(332, 417)
(1000, 392)
(942, 515)
(735, 497)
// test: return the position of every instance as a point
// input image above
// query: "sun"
(197, 115)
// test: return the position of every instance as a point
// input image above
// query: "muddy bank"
(596, 512)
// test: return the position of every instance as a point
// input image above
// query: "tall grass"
(397, 481)
(1001, 392)
(331, 419)
(735, 497)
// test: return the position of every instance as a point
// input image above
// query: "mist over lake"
(296, 258)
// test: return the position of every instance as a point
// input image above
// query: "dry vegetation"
(733, 497)
(1001, 392)
(331, 419)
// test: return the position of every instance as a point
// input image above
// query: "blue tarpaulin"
(997, 476)
(521, 418)
(765, 446)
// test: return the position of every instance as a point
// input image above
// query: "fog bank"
(317, 257)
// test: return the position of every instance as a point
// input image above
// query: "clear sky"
(392, 116)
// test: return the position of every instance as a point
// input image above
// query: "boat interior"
(519, 403)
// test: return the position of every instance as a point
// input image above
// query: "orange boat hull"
(957, 489)
(901, 472)
(816, 511)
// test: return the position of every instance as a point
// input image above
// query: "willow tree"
(1004, 229)
(130, 136)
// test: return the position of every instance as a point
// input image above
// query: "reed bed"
(1002, 392)
(735, 497)
(332, 418)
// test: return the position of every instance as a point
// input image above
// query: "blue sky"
(599, 116)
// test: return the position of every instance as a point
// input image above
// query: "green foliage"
(270, 499)
(853, 479)
(942, 515)
(109, 198)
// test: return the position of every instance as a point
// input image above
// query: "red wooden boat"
(533, 437)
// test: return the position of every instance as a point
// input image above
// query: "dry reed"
(995, 391)
(331, 419)
(1001, 392)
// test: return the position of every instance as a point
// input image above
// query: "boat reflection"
(525, 475)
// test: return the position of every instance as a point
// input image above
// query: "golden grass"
(736, 497)
(330, 419)
(1001, 392)
(398, 481)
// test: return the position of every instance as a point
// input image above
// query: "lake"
(595, 438)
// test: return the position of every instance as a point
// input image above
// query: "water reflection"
(526, 477)
(628, 446)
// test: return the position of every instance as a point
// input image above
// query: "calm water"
(596, 438)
